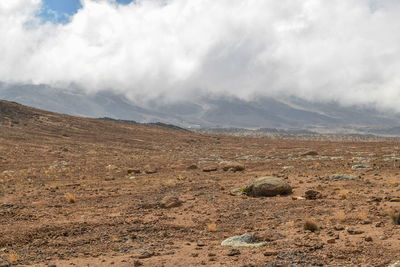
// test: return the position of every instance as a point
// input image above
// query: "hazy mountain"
(289, 113)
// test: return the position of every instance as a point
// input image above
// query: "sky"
(60, 11)
(346, 51)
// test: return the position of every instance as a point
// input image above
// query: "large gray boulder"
(268, 186)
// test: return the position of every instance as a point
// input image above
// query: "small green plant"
(310, 226)
(245, 189)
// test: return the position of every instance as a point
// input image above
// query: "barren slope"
(116, 218)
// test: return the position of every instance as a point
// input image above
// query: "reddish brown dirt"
(66, 197)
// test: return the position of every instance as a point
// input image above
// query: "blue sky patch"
(59, 11)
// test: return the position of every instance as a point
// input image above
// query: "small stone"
(359, 167)
(137, 263)
(312, 194)
(143, 254)
(194, 255)
(331, 241)
(395, 264)
(192, 167)
(236, 192)
(268, 253)
(233, 166)
(368, 239)
(338, 228)
(310, 153)
(246, 240)
(354, 231)
(51, 265)
(342, 177)
(210, 169)
(170, 202)
(135, 171)
(233, 252)
(201, 244)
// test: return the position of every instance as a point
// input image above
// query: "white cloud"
(344, 50)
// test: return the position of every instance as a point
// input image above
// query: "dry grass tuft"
(341, 216)
(344, 194)
(12, 258)
(70, 197)
(212, 227)
(394, 215)
(310, 226)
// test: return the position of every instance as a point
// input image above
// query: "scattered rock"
(352, 231)
(210, 169)
(310, 226)
(233, 166)
(137, 263)
(343, 177)
(192, 167)
(201, 244)
(268, 253)
(331, 241)
(51, 265)
(135, 171)
(338, 228)
(268, 186)
(150, 170)
(395, 264)
(234, 252)
(170, 202)
(375, 199)
(111, 167)
(236, 192)
(310, 153)
(246, 240)
(359, 167)
(287, 167)
(368, 239)
(143, 254)
(312, 194)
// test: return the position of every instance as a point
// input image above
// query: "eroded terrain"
(79, 192)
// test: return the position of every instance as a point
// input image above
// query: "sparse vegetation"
(394, 214)
(70, 197)
(344, 194)
(244, 189)
(12, 258)
(341, 216)
(310, 226)
(212, 227)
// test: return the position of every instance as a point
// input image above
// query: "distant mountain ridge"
(291, 114)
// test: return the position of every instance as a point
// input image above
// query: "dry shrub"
(70, 197)
(394, 215)
(12, 258)
(310, 226)
(212, 227)
(344, 194)
(341, 216)
(363, 216)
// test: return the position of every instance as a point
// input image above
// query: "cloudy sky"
(337, 50)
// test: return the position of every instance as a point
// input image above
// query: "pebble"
(233, 252)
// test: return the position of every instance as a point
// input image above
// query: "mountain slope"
(287, 113)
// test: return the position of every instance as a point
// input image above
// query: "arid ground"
(85, 192)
